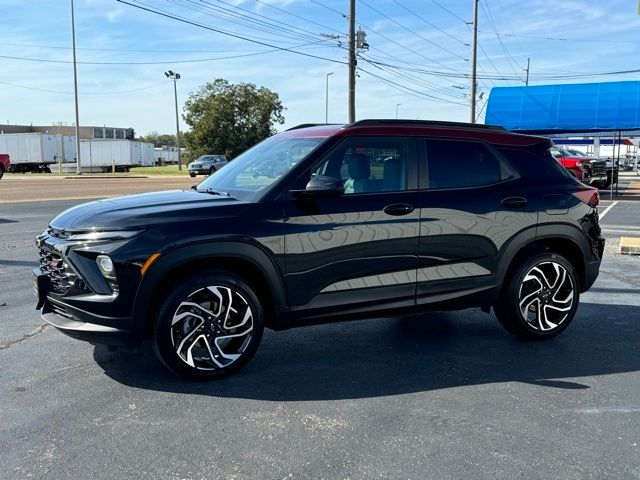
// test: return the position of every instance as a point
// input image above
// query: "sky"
(418, 56)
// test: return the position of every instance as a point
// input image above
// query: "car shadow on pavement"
(416, 353)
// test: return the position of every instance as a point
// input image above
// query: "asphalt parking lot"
(442, 395)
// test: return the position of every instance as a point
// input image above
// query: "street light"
(397, 105)
(176, 76)
(75, 89)
(326, 100)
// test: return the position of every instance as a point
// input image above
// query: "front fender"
(205, 251)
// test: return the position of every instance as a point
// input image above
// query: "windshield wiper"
(214, 192)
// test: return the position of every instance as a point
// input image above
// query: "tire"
(1, 171)
(192, 175)
(534, 285)
(194, 335)
(212, 170)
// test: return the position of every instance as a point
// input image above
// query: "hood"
(136, 211)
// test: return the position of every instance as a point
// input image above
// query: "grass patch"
(166, 170)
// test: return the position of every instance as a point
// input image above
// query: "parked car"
(5, 163)
(207, 165)
(597, 178)
(455, 216)
(587, 170)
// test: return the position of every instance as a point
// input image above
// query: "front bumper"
(75, 299)
(597, 179)
(200, 171)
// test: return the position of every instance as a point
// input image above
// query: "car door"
(358, 251)
(472, 203)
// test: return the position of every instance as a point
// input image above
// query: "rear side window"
(460, 164)
(539, 163)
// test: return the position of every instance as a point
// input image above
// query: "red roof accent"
(497, 137)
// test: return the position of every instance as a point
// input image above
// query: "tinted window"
(538, 163)
(368, 165)
(457, 164)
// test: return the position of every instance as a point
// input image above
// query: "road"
(442, 396)
(25, 188)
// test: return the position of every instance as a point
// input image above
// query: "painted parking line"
(606, 210)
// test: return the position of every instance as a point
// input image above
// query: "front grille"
(598, 167)
(60, 274)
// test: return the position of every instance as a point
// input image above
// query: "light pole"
(326, 100)
(397, 106)
(75, 89)
(176, 76)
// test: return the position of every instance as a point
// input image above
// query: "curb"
(630, 246)
(102, 178)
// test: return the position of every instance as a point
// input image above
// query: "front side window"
(461, 164)
(251, 172)
(368, 165)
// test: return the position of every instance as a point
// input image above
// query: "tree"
(228, 118)
(160, 139)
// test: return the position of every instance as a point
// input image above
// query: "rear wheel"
(541, 297)
(1, 171)
(209, 326)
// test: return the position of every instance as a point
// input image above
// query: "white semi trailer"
(97, 155)
(34, 152)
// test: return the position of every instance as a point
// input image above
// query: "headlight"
(104, 235)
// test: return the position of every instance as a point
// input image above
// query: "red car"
(4, 163)
(591, 171)
(577, 166)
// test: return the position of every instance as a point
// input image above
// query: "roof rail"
(307, 125)
(433, 123)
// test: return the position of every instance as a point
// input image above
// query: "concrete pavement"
(442, 396)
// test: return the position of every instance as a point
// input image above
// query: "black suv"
(324, 223)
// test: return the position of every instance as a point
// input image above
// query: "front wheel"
(209, 326)
(192, 174)
(212, 170)
(541, 297)
(1, 171)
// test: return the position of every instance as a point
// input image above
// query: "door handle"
(398, 209)
(514, 202)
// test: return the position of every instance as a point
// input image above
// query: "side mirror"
(320, 186)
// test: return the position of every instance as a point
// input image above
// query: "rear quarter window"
(538, 163)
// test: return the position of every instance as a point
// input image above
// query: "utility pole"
(526, 82)
(326, 100)
(176, 76)
(75, 89)
(352, 61)
(397, 106)
(474, 61)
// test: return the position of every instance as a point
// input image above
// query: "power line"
(561, 39)
(413, 32)
(417, 80)
(449, 11)
(83, 93)
(429, 23)
(343, 15)
(298, 16)
(59, 47)
(164, 62)
(230, 15)
(230, 34)
(489, 16)
(406, 89)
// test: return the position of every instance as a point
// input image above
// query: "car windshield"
(248, 175)
(206, 158)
